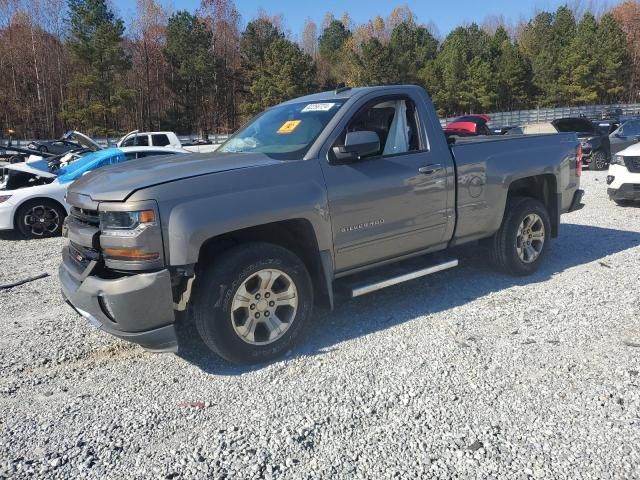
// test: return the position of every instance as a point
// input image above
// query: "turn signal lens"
(147, 216)
(130, 254)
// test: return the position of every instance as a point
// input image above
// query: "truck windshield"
(285, 132)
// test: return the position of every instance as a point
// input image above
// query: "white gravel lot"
(465, 374)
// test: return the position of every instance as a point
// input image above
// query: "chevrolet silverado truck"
(332, 194)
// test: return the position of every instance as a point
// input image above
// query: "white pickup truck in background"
(163, 139)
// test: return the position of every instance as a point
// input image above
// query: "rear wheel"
(252, 304)
(599, 161)
(522, 242)
(40, 218)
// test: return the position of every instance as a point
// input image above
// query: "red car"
(469, 125)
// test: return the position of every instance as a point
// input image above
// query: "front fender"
(197, 209)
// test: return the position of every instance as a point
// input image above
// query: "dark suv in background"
(596, 147)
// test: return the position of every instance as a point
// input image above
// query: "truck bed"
(486, 166)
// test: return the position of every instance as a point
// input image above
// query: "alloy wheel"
(264, 307)
(530, 238)
(41, 220)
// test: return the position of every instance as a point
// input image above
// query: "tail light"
(579, 161)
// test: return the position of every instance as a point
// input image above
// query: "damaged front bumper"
(137, 308)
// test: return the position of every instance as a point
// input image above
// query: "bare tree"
(309, 41)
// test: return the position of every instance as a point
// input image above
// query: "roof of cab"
(345, 94)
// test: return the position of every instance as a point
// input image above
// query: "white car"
(623, 179)
(32, 197)
(163, 139)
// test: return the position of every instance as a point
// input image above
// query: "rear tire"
(599, 161)
(252, 304)
(522, 242)
(40, 218)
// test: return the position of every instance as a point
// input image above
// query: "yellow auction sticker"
(289, 126)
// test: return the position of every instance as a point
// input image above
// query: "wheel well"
(544, 189)
(36, 200)
(296, 235)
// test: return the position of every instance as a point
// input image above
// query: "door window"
(160, 140)
(136, 141)
(631, 129)
(395, 122)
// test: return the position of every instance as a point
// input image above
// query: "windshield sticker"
(318, 107)
(289, 126)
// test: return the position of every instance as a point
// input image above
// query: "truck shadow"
(475, 278)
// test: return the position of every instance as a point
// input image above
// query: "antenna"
(341, 87)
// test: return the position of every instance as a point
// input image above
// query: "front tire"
(522, 242)
(40, 218)
(252, 303)
(599, 161)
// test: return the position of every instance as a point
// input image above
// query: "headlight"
(617, 160)
(587, 145)
(131, 238)
(127, 224)
(4, 198)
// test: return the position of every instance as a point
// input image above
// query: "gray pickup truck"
(343, 192)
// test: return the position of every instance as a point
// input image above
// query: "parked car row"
(32, 193)
(600, 140)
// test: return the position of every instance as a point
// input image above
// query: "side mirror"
(357, 145)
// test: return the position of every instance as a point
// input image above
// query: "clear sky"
(446, 15)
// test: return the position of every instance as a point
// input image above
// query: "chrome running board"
(363, 289)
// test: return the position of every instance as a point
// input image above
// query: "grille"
(633, 164)
(87, 217)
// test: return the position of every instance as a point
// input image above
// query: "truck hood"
(117, 182)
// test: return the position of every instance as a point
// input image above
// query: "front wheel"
(599, 161)
(522, 242)
(253, 303)
(40, 218)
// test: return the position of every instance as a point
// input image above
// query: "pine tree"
(256, 40)
(544, 41)
(581, 62)
(287, 72)
(191, 68)
(374, 65)
(333, 38)
(615, 61)
(512, 72)
(411, 47)
(95, 41)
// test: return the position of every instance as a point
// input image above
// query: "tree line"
(73, 64)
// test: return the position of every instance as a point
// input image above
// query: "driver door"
(627, 135)
(393, 202)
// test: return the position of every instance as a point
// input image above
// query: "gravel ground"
(466, 374)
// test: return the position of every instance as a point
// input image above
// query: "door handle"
(430, 169)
